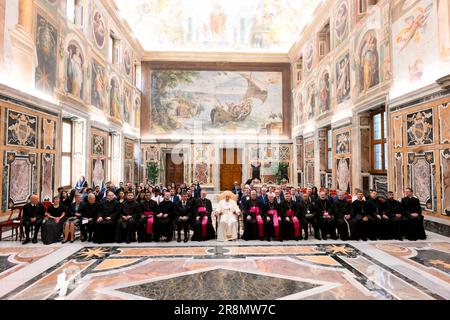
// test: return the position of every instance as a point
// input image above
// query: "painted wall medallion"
(420, 128)
(21, 129)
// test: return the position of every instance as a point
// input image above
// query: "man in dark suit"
(107, 214)
(197, 189)
(394, 213)
(164, 219)
(173, 197)
(374, 212)
(412, 210)
(279, 197)
(33, 215)
(323, 212)
(263, 197)
(183, 216)
(236, 189)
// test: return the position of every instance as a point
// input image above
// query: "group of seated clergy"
(125, 216)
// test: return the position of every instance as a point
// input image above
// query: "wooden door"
(174, 171)
(230, 168)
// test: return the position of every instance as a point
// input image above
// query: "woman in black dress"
(65, 199)
(52, 226)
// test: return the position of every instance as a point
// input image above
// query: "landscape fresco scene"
(216, 103)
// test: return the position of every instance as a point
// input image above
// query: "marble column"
(317, 158)
(26, 15)
(299, 161)
(24, 49)
(356, 150)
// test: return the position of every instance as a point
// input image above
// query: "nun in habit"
(227, 213)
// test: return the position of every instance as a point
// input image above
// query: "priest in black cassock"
(274, 216)
(89, 211)
(324, 215)
(292, 219)
(128, 217)
(412, 210)
(305, 207)
(374, 210)
(108, 212)
(183, 217)
(395, 214)
(203, 228)
(164, 219)
(346, 223)
(253, 218)
(147, 221)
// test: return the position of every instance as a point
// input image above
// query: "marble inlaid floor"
(385, 270)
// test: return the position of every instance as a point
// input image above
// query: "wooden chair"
(13, 222)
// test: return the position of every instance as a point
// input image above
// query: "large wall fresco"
(73, 63)
(216, 103)
(414, 33)
(46, 49)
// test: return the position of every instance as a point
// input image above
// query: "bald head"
(34, 199)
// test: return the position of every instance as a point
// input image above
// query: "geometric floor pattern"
(385, 270)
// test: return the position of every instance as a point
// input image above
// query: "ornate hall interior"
(225, 150)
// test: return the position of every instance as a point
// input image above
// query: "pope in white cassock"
(227, 213)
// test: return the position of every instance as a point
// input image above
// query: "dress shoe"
(179, 240)
(34, 240)
(186, 239)
(26, 241)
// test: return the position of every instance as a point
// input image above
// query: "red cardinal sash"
(290, 214)
(204, 221)
(150, 221)
(259, 220)
(276, 224)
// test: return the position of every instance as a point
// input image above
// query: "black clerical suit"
(398, 220)
(203, 228)
(88, 211)
(347, 228)
(308, 218)
(253, 220)
(30, 212)
(126, 228)
(327, 223)
(183, 209)
(273, 217)
(164, 225)
(375, 227)
(147, 223)
(415, 229)
(292, 228)
(105, 229)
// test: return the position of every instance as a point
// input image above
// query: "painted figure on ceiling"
(415, 25)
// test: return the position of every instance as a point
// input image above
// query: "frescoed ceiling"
(267, 26)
